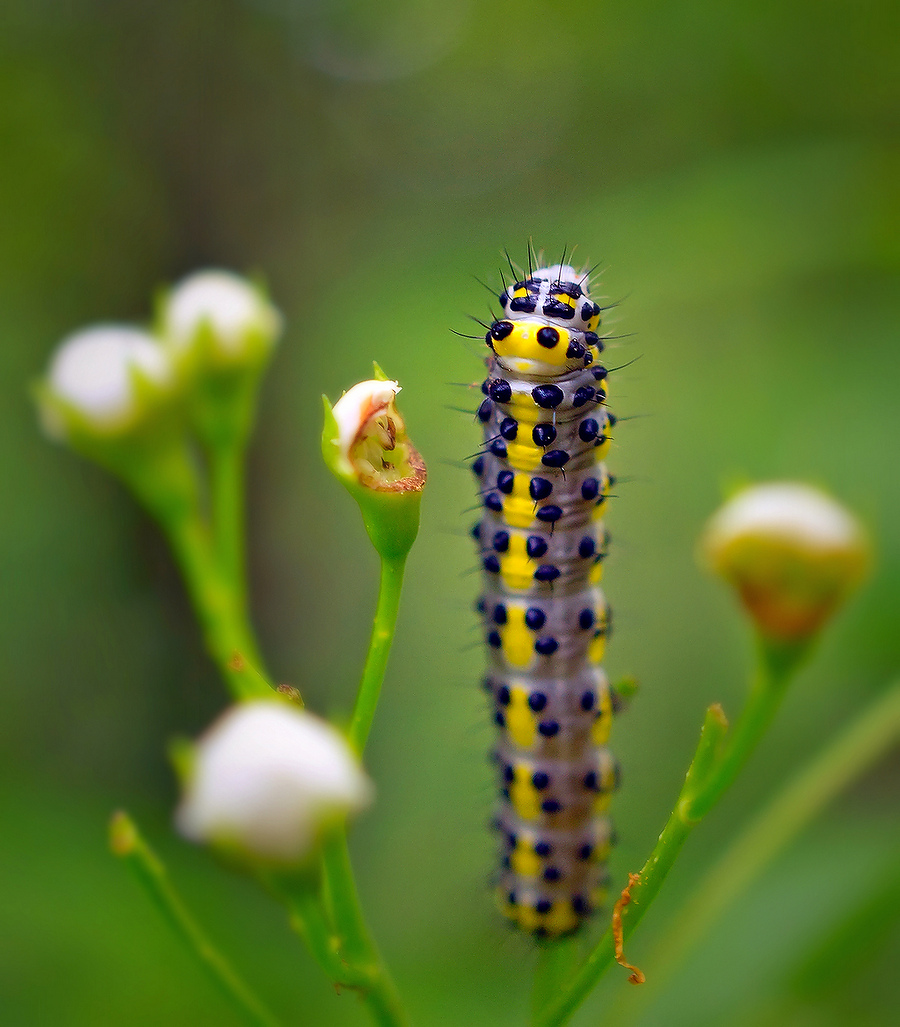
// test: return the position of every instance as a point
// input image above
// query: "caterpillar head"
(550, 323)
(559, 293)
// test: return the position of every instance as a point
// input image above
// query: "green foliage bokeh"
(734, 168)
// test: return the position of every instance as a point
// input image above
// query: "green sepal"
(331, 443)
(148, 453)
(391, 519)
(390, 515)
(222, 393)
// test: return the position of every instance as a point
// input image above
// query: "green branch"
(357, 951)
(227, 502)
(845, 759)
(383, 629)
(717, 760)
(127, 843)
(166, 483)
(775, 668)
(226, 631)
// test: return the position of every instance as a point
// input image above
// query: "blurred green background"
(734, 168)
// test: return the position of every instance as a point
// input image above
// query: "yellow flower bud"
(792, 552)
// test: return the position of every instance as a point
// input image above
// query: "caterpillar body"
(542, 542)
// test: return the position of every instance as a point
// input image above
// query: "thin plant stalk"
(212, 564)
(340, 894)
(774, 669)
(308, 919)
(128, 843)
(217, 599)
(357, 950)
(716, 762)
(169, 489)
(227, 501)
(383, 629)
(845, 759)
(355, 962)
(226, 630)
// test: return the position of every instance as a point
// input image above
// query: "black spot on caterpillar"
(542, 542)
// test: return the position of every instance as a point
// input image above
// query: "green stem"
(166, 484)
(359, 956)
(601, 958)
(357, 951)
(226, 469)
(648, 883)
(341, 897)
(225, 629)
(213, 571)
(308, 920)
(766, 693)
(379, 649)
(708, 751)
(129, 845)
(844, 760)
(713, 768)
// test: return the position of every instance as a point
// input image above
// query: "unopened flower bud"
(266, 779)
(365, 445)
(232, 319)
(792, 552)
(103, 381)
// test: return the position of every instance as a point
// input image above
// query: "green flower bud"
(104, 383)
(112, 395)
(365, 445)
(225, 320)
(221, 331)
(793, 554)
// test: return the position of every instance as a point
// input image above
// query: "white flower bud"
(792, 552)
(365, 445)
(364, 421)
(240, 320)
(266, 779)
(97, 374)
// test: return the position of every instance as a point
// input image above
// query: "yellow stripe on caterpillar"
(517, 640)
(520, 720)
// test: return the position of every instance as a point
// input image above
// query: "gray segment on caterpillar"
(543, 909)
(570, 552)
(573, 851)
(557, 501)
(545, 864)
(557, 399)
(551, 636)
(558, 793)
(565, 418)
(554, 717)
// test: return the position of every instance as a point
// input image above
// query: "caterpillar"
(544, 489)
